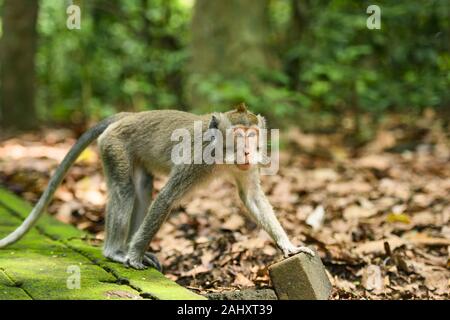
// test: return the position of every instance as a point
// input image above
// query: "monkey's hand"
(291, 250)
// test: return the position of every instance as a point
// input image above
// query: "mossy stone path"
(54, 259)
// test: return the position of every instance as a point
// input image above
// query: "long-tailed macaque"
(135, 146)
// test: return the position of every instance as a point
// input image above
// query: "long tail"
(82, 143)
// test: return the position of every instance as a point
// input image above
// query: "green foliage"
(403, 65)
(126, 56)
(269, 96)
(134, 55)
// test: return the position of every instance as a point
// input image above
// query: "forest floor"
(378, 214)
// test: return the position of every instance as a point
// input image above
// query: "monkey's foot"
(117, 257)
(294, 250)
(135, 263)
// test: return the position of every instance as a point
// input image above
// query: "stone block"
(300, 277)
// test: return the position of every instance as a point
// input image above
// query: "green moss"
(49, 225)
(10, 290)
(149, 281)
(39, 266)
(47, 273)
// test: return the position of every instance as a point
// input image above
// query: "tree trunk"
(298, 24)
(17, 73)
(229, 39)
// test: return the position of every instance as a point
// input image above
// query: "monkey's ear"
(241, 107)
(261, 121)
(213, 123)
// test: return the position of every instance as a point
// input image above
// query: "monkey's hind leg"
(121, 200)
(143, 182)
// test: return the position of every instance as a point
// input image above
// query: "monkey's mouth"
(247, 163)
(244, 166)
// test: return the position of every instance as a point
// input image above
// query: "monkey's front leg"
(261, 211)
(136, 256)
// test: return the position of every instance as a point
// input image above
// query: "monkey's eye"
(251, 134)
(239, 133)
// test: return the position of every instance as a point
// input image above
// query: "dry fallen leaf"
(119, 294)
(378, 245)
(344, 188)
(233, 223)
(87, 156)
(316, 218)
(282, 193)
(418, 238)
(376, 161)
(242, 281)
(423, 218)
(88, 189)
(398, 217)
(358, 212)
(195, 271)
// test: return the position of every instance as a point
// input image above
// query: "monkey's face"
(246, 141)
(245, 136)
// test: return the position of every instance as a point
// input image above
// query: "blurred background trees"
(300, 62)
(17, 55)
(229, 51)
